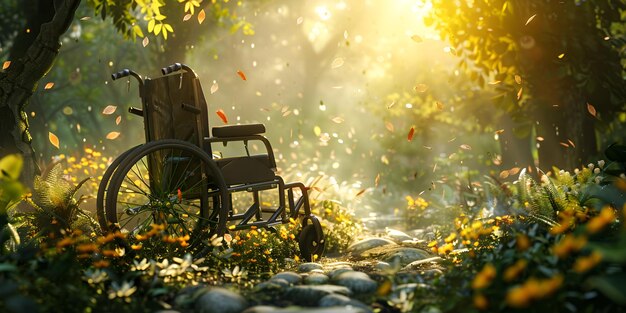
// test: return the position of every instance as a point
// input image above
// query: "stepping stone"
(359, 247)
(420, 264)
(310, 295)
(404, 256)
(220, 300)
(290, 277)
(341, 300)
(358, 282)
(397, 235)
(316, 279)
(295, 309)
(307, 267)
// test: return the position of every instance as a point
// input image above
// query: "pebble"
(290, 277)
(310, 266)
(310, 295)
(358, 282)
(220, 300)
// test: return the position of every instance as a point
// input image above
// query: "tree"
(556, 64)
(37, 43)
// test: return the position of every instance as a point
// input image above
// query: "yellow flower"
(596, 224)
(484, 277)
(522, 242)
(445, 249)
(513, 271)
(65, 242)
(480, 301)
(584, 264)
(517, 297)
(87, 248)
(450, 238)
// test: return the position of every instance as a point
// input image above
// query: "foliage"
(339, 224)
(555, 249)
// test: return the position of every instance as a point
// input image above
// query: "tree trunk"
(19, 81)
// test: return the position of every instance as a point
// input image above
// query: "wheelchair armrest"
(238, 130)
(266, 143)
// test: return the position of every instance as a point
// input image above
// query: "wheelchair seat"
(238, 130)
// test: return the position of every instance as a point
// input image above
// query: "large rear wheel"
(166, 186)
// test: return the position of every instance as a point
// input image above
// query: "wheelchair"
(175, 179)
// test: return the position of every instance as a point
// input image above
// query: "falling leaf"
(201, 16)
(564, 144)
(377, 180)
(338, 62)
(571, 143)
(112, 135)
(360, 193)
(518, 79)
(434, 167)
(417, 38)
(504, 174)
(85, 18)
(390, 105)
(118, 120)
(411, 133)
(145, 41)
(186, 17)
(561, 55)
(54, 140)
(439, 105)
(591, 109)
(514, 171)
(49, 85)
(214, 88)
(499, 131)
(222, 116)
(539, 138)
(421, 88)
(427, 147)
(180, 195)
(519, 93)
(345, 34)
(530, 19)
(241, 74)
(338, 120)
(495, 82)
(300, 20)
(497, 160)
(465, 147)
(110, 109)
(6, 65)
(389, 127)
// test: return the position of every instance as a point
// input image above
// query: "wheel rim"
(164, 183)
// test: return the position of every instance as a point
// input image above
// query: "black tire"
(309, 243)
(167, 182)
(102, 187)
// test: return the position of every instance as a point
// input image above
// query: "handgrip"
(135, 111)
(123, 73)
(172, 68)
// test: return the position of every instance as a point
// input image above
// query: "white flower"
(596, 170)
(590, 166)
(126, 289)
(95, 276)
(598, 179)
(601, 163)
(140, 266)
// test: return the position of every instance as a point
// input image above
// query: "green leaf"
(11, 166)
(614, 286)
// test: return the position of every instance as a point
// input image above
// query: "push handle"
(123, 73)
(172, 68)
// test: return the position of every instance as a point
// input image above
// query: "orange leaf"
(499, 131)
(530, 19)
(186, 17)
(411, 133)
(222, 115)
(118, 120)
(112, 135)
(421, 88)
(504, 174)
(48, 85)
(518, 79)
(571, 143)
(564, 144)
(389, 127)
(519, 93)
(539, 138)
(439, 105)
(377, 180)
(494, 82)
(241, 74)
(201, 16)
(514, 171)
(145, 41)
(360, 192)
(54, 140)
(417, 38)
(180, 195)
(338, 120)
(110, 109)
(214, 88)
(591, 109)
(6, 65)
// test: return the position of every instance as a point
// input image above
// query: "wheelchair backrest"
(175, 108)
